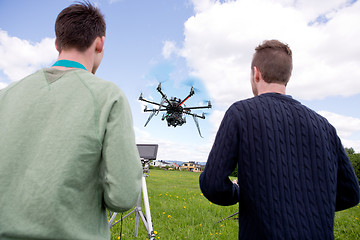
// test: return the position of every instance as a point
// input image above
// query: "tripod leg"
(137, 215)
(113, 216)
(123, 218)
(150, 230)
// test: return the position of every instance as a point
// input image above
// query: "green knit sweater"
(67, 152)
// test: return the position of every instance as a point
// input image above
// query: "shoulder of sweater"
(100, 86)
(239, 105)
(93, 79)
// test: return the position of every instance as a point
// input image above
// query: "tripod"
(138, 212)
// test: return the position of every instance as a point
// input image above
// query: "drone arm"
(190, 94)
(155, 110)
(185, 99)
(162, 94)
(201, 107)
(195, 115)
(145, 100)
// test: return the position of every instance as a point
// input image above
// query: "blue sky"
(208, 43)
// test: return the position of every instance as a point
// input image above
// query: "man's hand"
(235, 182)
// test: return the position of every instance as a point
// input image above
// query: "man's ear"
(257, 74)
(100, 43)
(56, 46)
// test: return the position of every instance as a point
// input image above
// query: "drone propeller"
(160, 78)
(192, 83)
(205, 114)
(207, 102)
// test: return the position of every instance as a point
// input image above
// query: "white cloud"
(221, 37)
(345, 125)
(314, 9)
(348, 143)
(215, 119)
(169, 48)
(346, 128)
(20, 58)
(310, 9)
(220, 40)
(3, 85)
(203, 5)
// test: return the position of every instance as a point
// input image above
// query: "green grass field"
(180, 211)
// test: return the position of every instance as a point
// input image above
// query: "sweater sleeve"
(348, 192)
(121, 161)
(214, 181)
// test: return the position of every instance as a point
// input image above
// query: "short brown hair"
(78, 25)
(274, 60)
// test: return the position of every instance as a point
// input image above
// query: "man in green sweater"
(67, 145)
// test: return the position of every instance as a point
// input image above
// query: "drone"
(175, 109)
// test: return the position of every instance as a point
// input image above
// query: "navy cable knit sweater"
(293, 172)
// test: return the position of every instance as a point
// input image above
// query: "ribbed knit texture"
(293, 172)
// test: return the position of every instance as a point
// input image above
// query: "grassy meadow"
(180, 211)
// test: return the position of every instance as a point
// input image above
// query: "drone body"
(174, 110)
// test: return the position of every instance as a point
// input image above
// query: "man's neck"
(74, 55)
(272, 88)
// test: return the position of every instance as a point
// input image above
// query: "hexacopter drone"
(174, 108)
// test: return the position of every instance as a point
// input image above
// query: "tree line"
(355, 160)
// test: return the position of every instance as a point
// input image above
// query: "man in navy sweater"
(293, 172)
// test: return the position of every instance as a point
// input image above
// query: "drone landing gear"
(197, 125)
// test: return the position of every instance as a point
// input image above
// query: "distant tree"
(349, 151)
(355, 161)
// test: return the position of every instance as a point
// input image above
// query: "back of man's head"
(274, 60)
(78, 25)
